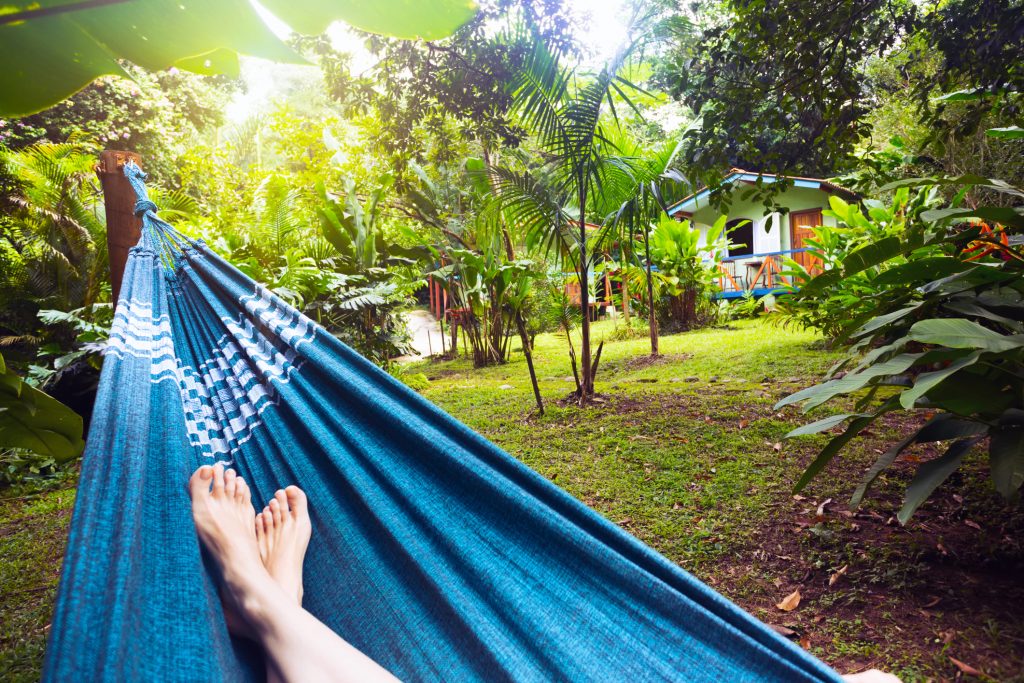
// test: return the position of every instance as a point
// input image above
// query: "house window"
(741, 236)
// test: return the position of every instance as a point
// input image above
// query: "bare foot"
(236, 486)
(225, 521)
(282, 534)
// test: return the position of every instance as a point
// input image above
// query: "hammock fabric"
(434, 552)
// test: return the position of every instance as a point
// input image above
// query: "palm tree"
(56, 222)
(571, 116)
(652, 177)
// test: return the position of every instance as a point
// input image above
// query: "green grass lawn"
(668, 439)
(686, 452)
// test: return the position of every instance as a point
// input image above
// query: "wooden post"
(123, 228)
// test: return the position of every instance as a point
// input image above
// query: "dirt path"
(426, 335)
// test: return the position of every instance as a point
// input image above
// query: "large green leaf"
(818, 394)
(1008, 133)
(829, 451)
(966, 179)
(37, 422)
(822, 424)
(871, 255)
(927, 380)
(43, 59)
(965, 394)
(960, 333)
(930, 475)
(922, 269)
(1006, 449)
(941, 427)
(427, 19)
(998, 214)
(884, 460)
(882, 320)
(334, 230)
(962, 96)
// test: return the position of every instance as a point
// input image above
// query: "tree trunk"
(520, 323)
(587, 383)
(683, 308)
(624, 285)
(496, 331)
(690, 307)
(123, 227)
(528, 352)
(651, 313)
(521, 326)
(572, 363)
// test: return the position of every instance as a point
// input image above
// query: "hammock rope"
(434, 552)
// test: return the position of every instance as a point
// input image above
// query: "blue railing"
(767, 253)
(756, 274)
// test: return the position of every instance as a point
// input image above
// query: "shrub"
(832, 302)
(944, 338)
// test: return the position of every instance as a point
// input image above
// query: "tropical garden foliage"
(501, 153)
(942, 334)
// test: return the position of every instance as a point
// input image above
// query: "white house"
(755, 262)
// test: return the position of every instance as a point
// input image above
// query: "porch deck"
(756, 274)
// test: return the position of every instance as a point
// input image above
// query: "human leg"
(297, 645)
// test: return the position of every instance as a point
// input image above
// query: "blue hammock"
(434, 552)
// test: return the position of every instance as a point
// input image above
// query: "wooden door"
(800, 225)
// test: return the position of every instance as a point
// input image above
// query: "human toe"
(230, 483)
(199, 482)
(218, 480)
(242, 491)
(297, 502)
(277, 511)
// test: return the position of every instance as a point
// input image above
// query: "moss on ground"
(33, 531)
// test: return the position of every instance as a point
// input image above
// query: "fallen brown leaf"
(966, 668)
(790, 602)
(837, 575)
(973, 525)
(744, 423)
(934, 601)
(805, 643)
(783, 631)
